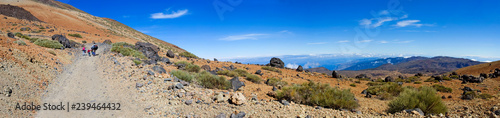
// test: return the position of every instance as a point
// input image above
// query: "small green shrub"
(269, 68)
(84, 41)
(446, 78)
(192, 68)
(241, 72)
(384, 96)
(49, 43)
(375, 83)
(357, 81)
(417, 82)
(442, 88)
(188, 54)
(32, 40)
(424, 98)
(353, 85)
(18, 34)
(210, 81)
(454, 77)
(183, 75)
(122, 48)
(253, 78)
(485, 96)
(183, 63)
(431, 80)
(276, 82)
(137, 62)
(228, 73)
(20, 42)
(75, 35)
(388, 87)
(52, 52)
(316, 94)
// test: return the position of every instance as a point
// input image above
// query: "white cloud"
(344, 41)
(408, 23)
(242, 37)
(404, 16)
(316, 43)
(383, 41)
(365, 41)
(383, 12)
(311, 65)
(174, 14)
(396, 41)
(292, 66)
(379, 22)
(407, 41)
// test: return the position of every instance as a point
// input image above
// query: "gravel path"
(84, 81)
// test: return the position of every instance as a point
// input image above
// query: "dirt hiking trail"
(84, 81)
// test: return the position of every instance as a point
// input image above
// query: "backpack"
(83, 49)
(94, 47)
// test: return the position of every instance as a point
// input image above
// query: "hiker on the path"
(94, 48)
(88, 51)
(83, 49)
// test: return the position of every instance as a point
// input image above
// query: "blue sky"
(256, 28)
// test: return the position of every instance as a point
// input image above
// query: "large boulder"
(276, 62)
(63, 40)
(236, 83)
(11, 35)
(360, 76)
(149, 50)
(238, 98)
(299, 69)
(170, 54)
(259, 72)
(335, 74)
(159, 69)
(389, 79)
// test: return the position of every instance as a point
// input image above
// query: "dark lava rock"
(151, 72)
(215, 59)
(419, 74)
(416, 109)
(159, 69)
(165, 60)
(189, 102)
(206, 67)
(138, 85)
(276, 62)
(259, 72)
(443, 97)
(275, 89)
(335, 74)
(149, 50)
(361, 76)
(179, 86)
(11, 35)
(449, 96)
(170, 54)
(236, 83)
(389, 79)
(63, 40)
(364, 91)
(299, 69)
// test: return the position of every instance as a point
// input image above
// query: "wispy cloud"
(173, 14)
(415, 23)
(395, 41)
(365, 41)
(286, 32)
(344, 41)
(242, 37)
(316, 43)
(383, 12)
(292, 65)
(418, 31)
(374, 23)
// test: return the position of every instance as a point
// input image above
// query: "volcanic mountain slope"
(435, 65)
(478, 69)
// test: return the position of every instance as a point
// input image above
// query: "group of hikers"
(92, 49)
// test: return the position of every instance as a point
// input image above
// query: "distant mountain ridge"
(411, 65)
(379, 62)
